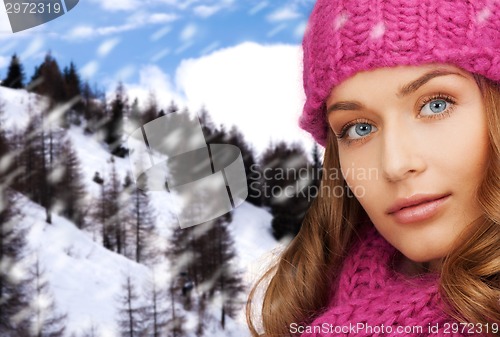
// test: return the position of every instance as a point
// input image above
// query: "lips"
(417, 208)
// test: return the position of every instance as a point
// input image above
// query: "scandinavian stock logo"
(170, 154)
(25, 14)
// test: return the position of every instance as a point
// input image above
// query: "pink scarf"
(374, 300)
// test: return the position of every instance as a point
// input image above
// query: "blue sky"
(172, 47)
(122, 33)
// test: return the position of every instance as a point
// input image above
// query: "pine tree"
(114, 125)
(40, 149)
(93, 108)
(115, 220)
(70, 190)
(131, 311)
(206, 252)
(317, 164)
(48, 81)
(14, 292)
(150, 113)
(214, 135)
(108, 212)
(73, 91)
(5, 162)
(101, 213)
(92, 331)
(225, 279)
(142, 223)
(175, 325)
(46, 321)
(156, 310)
(15, 74)
(172, 108)
(111, 212)
(286, 166)
(235, 137)
(134, 119)
(72, 81)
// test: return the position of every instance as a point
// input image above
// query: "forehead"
(389, 78)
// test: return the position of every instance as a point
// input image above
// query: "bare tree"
(203, 254)
(14, 291)
(46, 321)
(142, 222)
(156, 309)
(131, 311)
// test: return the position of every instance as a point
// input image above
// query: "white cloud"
(284, 14)
(210, 48)
(115, 29)
(8, 46)
(80, 32)
(276, 30)
(153, 80)
(135, 21)
(90, 69)
(4, 61)
(5, 27)
(257, 88)
(185, 4)
(142, 18)
(161, 18)
(107, 46)
(182, 48)
(300, 30)
(118, 5)
(33, 48)
(188, 32)
(160, 33)
(257, 8)
(159, 55)
(206, 11)
(124, 73)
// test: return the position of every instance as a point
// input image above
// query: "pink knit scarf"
(374, 300)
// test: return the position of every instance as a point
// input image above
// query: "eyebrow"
(403, 91)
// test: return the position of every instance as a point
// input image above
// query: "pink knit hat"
(348, 36)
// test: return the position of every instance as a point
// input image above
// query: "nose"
(401, 155)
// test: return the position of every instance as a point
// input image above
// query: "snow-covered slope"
(86, 278)
(17, 105)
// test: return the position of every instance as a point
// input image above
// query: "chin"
(419, 258)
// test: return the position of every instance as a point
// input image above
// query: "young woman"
(405, 96)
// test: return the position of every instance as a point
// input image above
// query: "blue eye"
(360, 130)
(435, 107)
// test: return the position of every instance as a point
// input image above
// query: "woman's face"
(413, 147)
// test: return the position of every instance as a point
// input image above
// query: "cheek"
(362, 176)
(463, 150)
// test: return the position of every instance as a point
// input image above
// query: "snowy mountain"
(84, 277)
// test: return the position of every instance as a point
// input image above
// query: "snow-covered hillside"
(86, 278)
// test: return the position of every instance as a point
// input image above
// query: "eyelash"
(444, 97)
(346, 127)
(444, 114)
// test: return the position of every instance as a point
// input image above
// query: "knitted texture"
(344, 37)
(370, 292)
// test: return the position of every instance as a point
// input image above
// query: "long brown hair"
(300, 281)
